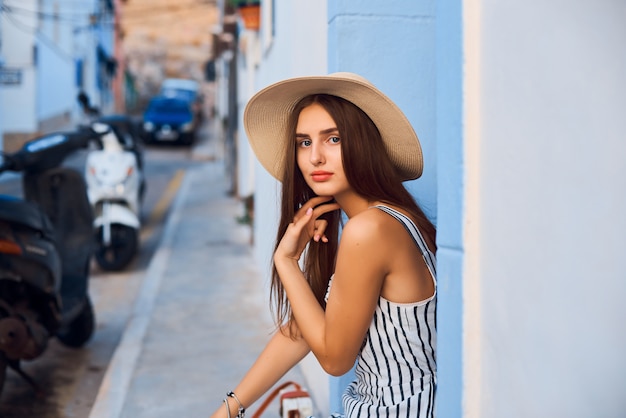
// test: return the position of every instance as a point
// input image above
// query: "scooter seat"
(25, 213)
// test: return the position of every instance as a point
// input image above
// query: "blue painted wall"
(392, 44)
(450, 179)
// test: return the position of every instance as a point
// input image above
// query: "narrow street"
(70, 378)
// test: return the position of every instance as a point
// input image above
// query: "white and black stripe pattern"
(396, 369)
(429, 257)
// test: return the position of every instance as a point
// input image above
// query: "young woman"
(338, 144)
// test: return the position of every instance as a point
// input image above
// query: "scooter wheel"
(78, 332)
(123, 248)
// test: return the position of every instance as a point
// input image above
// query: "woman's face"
(318, 152)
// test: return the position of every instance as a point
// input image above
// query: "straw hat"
(267, 114)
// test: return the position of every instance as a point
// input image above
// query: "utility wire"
(74, 22)
(135, 12)
(65, 15)
(62, 10)
(33, 31)
(71, 17)
(133, 17)
(139, 16)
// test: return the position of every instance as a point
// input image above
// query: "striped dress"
(396, 369)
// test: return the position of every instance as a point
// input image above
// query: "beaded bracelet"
(241, 413)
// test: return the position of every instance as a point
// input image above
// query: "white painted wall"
(56, 71)
(18, 36)
(545, 226)
(248, 62)
(16, 109)
(298, 48)
(48, 86)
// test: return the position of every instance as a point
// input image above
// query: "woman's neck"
(353, 204)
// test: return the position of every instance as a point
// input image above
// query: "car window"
(171, 106)
(180, 93)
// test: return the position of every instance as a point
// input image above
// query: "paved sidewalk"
(201, 316)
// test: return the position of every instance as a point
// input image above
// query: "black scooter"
(46, 242)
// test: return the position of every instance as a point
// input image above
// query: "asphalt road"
(70, 378)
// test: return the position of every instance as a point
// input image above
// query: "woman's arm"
(280, 354)
(335, 336)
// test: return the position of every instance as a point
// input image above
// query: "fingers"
(320, 228)
(300, 221)
(319, 208)
(307, 217)
(311, 203)
(314, 227)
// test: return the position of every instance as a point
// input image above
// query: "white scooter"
(115, 188)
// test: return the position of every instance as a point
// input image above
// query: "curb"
(111, 395)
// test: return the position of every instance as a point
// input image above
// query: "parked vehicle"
(115, 187)
(169, 119)
(185, 89)
(183, 85)
(46, 243)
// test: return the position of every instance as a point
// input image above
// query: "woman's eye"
(335, 139)
(304, 143)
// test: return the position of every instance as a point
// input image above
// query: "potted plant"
(250, 12)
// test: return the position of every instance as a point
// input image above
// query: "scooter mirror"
(100, 128)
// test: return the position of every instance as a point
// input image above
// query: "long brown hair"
(369, 171)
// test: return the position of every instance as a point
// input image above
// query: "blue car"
(185, 89)
(169, 119)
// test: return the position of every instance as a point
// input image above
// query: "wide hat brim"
(267, 113)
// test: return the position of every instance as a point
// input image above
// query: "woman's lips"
(319, 176)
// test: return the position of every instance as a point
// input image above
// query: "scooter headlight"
(111, 187)
(148, 126)
(187, 127)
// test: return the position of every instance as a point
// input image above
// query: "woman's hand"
(306, 225)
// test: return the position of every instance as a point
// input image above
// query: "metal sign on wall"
(10, 76)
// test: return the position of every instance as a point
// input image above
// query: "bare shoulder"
(367, 224)
(372, 225)
(382, 250)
